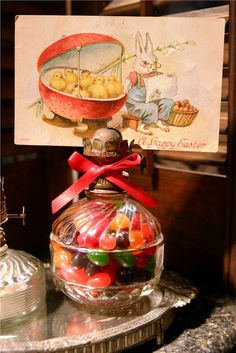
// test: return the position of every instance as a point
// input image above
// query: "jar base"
(111, 301)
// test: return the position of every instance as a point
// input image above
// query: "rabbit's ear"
(148, 45)
(139, 48)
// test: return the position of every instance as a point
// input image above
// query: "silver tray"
(64, 326)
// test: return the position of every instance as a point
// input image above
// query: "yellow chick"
(84, 93)
(98, 88)
(80, 93)
(58, 82)
(71, 79)
(86, 79)
(114, 87)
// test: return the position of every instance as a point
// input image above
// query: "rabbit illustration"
(145, 65)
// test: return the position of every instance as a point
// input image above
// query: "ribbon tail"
(75, 189)
(132, 189)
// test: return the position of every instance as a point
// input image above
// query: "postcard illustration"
(155, 79)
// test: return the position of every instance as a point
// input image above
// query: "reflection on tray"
(65, 325)
(28, 328)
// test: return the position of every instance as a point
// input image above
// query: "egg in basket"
(80, 76)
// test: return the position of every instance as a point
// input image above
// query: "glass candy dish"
(22, 284)
(107, 251)
(22, 278)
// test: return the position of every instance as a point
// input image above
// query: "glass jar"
(22, 285)
(106, 251)
(22, 281)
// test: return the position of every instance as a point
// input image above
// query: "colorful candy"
(125, 276)
(141, 261)
(107, 241)
(112, 268)
(61, 258)
(79, 266)
(73, 275)
(98, 258)
(79, 260)
(147, 233)
(136, 239)
(135, 221)
(91, 269)
(120, 221)
(151, 264)
(141, 275)
(112, 244)
(125, 259)
(99, 280)
(122, 239)
(150, 251)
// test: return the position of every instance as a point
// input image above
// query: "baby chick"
(98, 88)
(84, 93)
(80, 93)
(86, 79)
(58, 82)
(71, 79)
(114, 87)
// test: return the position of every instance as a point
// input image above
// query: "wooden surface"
(192, 214)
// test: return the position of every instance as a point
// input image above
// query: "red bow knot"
(109, 171)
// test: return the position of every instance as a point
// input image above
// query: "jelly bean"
(57, 258)
(113, 264)
(98, 258)
(91, 269)
(56, 246)
(91, 241)
(151, 264)
(142, 275)
(81, 240)
(88, 241)
(122, 239)
(79, 260)
(99, 280)
(120, 221)
(73, 275)
(141, 261)
(147, 233)
(150, 251)
(61, 258)
(125, 276)
(112, 267)
(112, 275)
(136, 239)
(125, 259)
(107, 241)
(135, 222)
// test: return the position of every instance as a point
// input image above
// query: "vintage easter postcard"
(155, 79)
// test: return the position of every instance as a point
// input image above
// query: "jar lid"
(22, 284)
(106, 221)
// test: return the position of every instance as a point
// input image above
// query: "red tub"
(58, 55)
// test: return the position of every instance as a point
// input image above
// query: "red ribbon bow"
(108, 171)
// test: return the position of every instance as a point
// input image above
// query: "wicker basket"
(182, 119)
